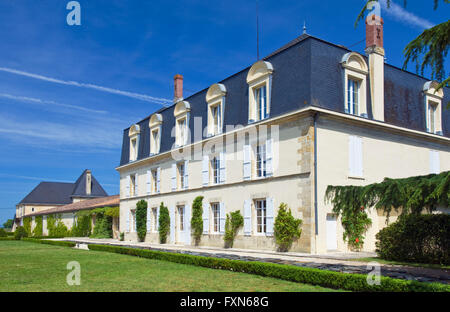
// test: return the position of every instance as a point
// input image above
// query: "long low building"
(68, 213)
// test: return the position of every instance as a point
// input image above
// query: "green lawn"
(420, 265)
(28, 266)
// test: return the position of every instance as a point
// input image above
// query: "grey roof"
(307, 72)
(59, 193)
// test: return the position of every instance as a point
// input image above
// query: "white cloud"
(401, 14)
(32, 178)
(53, 103)
(142, 97)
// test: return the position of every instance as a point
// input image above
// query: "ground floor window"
(261, 214)
(215, 209)
(154, 219)
(181, 217)
(133, 221)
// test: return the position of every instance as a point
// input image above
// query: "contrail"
(142, 97)
(402, 15)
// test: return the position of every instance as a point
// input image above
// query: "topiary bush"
(197, 220)
(416, 238)
(20, 233)
(141, 219)
(286, 228)
(164, 223)
(233, 222)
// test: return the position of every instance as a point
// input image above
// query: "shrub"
(141, 219)
(20, 233)
(27, 225)
(37, 231)
(82, 226)
(50, 242)
(55, 226)
(286, 228)
(122, 236)
(103, 226)
(416, 238)
(233, 222)
(164, 223)
(338, 280)
(3, 233)
(197, 220)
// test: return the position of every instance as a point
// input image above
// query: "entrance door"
(331, 232)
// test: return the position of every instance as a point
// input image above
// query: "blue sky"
(67, 92)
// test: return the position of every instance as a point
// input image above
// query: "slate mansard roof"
(307, 72)
(59, 193)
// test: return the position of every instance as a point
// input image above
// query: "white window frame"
(259, 76)
(215, 170)
(261, 161)
(433, 98)
(181, 114)
(260, 205)
(134, 136)
(154, 219)
(215, 216)
(155, 126)
(215, 97)
(356, 69)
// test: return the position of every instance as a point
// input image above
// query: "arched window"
(181, 113)
(155, 126)
(355, 80)
(433, 107)
(215, 97)
(259, 79)
(134, 135)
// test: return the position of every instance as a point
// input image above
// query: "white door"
(331, 232)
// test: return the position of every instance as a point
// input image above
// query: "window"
(134, 135)
(261, 160)
(261, 103)
(215, 97)
(154, 181)
(215, 170)
(355, 77)
(133, 221)
(259, 79)
(155, 125)
(181, 218)
(353, 96)
(181, 114)
(181, 175)
(215, 209)
(261, 214)
(433, 107)
(154, 219)
(133, 188)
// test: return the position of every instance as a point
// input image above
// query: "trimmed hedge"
(49, 242)
(330, 279)
(416, 238)
(7, 238)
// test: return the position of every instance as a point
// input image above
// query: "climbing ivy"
(233, 222)
(55, 226)
(411, 195)
(141, 219)
(197, 220)
(82, 226)
(164, 223)
(27, 225)
(37, 231)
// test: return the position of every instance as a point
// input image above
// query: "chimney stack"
(178, 88)
(88, 182)
(375, 51)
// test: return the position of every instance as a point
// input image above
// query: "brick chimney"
(375, 51)
(178, 88)
(88, 182)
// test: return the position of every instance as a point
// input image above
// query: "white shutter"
(127, 186)
(149, 181)
(187, 224)
(174, 177)
(158, 180)
(149, 223)
(269, 216)
(435, 166)
(157, 219)
(128, 220)
(222, 218)
(247, 217)
(222, 166)
(205, 170)
(186, 175)
(205, 217)
(269, 157)
(355, 156)
(136, 184)
(247, 162)
(172, 224)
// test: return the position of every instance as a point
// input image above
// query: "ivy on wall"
(55, 226)
(82, 226)
(38, 229)
(164, 223)
(141, 219)
(197, 220)
(233, 222)
(411, 195)
(27, 225)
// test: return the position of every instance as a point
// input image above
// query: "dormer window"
(433, 107)
(181, 114)
(134, 135)
(355, 80)
(259, 79)
(215, 97)
(155, 125)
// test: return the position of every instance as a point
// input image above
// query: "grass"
(420, 265)
(36, 267)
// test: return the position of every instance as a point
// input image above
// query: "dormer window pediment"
(433, 107)
(181, 114)
(355, 81)
(215, 97)
(155, 126)
(134, 135)
(259, 79)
